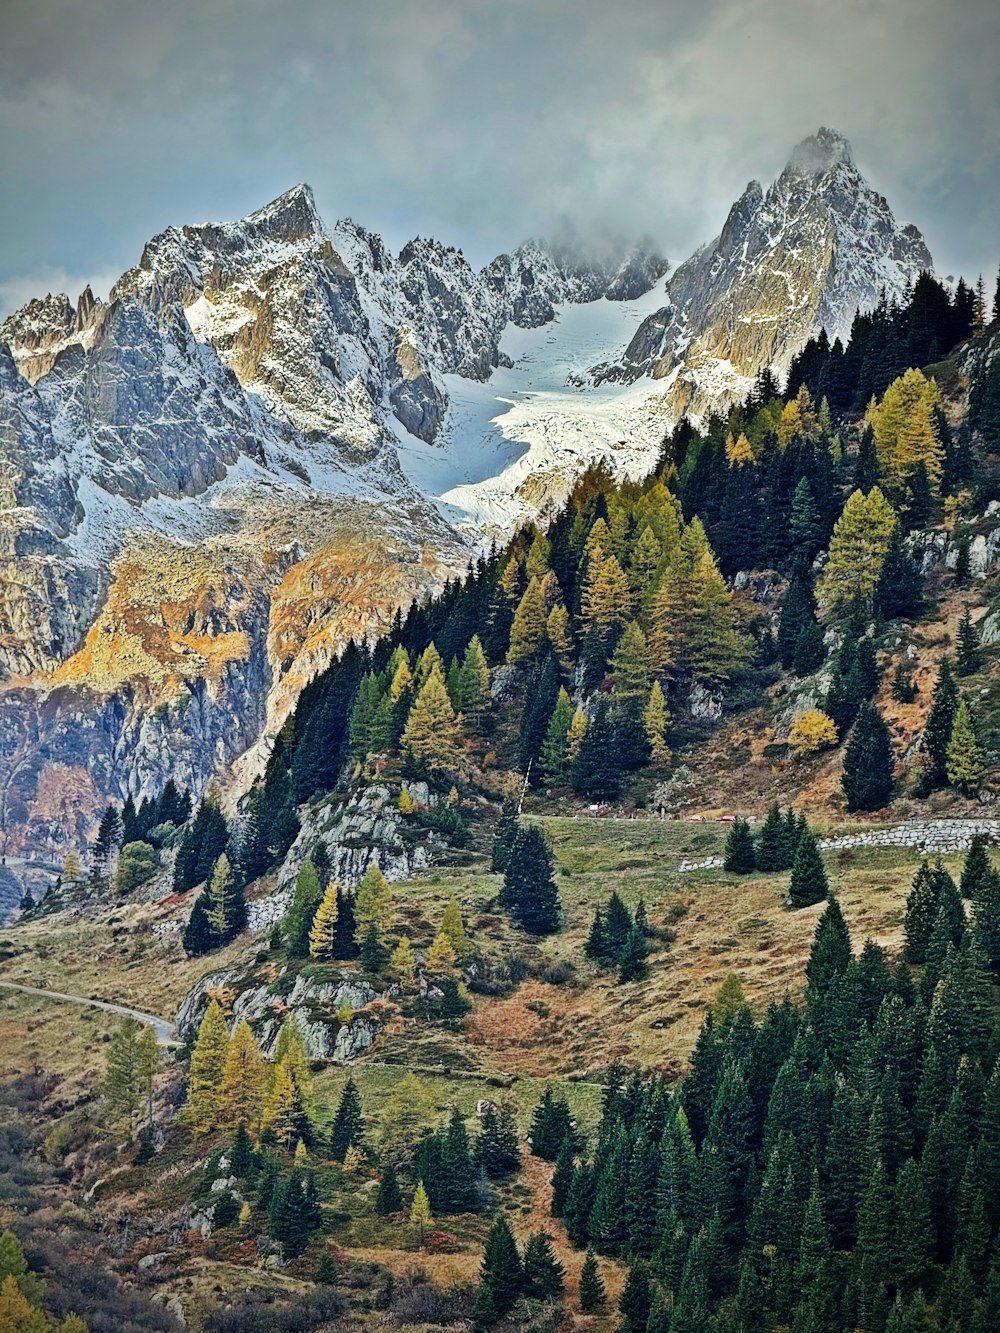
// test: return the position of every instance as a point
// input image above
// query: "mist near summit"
(480, 122)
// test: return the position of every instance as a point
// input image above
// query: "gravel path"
(166, 1033)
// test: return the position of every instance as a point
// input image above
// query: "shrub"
(812, 731)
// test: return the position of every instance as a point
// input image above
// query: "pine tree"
(529, 891)
(868, 762)
(208, 1057)
(656, 719)
(963, 562)
(810, 649)
(542, 1275)
(244, 1079)
(937, 732)
(389, 1199)
(402, 961)
(592, 1292)
(808, 883)
(969, 658)
(225, 907)
(966, 763)
(740, 857)
(899, 591)
(323, 931)
(348, 1128)
(977, 871)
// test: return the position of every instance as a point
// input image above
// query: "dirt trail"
(166, 1033)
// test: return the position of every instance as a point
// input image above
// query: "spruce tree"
(389, 1198)
(977, 871)
(810, 649)
(497, 1151)
(591, 1285)
(831, 954)
(617, 927)
(542, 1275)
(562, 1176)
(808, 883)
(899, 591)
(551, 1124)
(529, 890)
(937, 732)
(868, 762)
(374, 955)
(771, 852)
(740, 858)
(632, 964)
(636, 1300)
(969, 658)
(501, 1270)
(505, 834)
(348, 1129)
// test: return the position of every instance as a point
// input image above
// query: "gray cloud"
(479, 121)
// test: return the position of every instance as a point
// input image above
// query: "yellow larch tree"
(204, 1110)
(402, 961)
(453, 926)
(244, 1080)
(528, 626)
(858, 548)
(433, 731)
(441, 955)
(282, 1106)
(323, 932)
(373, 905)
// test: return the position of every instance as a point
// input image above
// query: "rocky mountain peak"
(293, 216)
(819, 153)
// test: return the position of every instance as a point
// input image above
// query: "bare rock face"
(798, 258)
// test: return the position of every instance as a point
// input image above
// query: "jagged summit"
(791, 260)
(820, 153)
(291, 216)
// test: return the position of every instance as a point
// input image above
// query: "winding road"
(166, 1033)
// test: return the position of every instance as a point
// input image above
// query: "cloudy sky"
(478, 121)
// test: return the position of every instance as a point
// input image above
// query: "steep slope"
(202, 496)
(819, 244)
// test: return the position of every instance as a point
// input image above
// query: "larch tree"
(966, 761)
(607, 598)
(402, 961)
(858, 548)
(453, 926)
(528, 628)
(560, 636)
(420, 1212)
(433, 731)
(905, 430)
(207, 1061)
(656, 719)
(281, 1112)
(128, 1083)
(554, 758)
(441, 955)
(244, 1079)
(373, 905)
(323, 932)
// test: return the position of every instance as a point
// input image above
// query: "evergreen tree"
(298, 920)
(868, 762)
(632, 965)
(542, 1275)
(969, 658)
(591, 1285)
(497, 1150)
(348, 1128)
(899, 591)
(598, 769)
(810, 649)
(636, 1300)
(433, 733)
(963, 563)
(937, 732)
(966, 763)
(373, 905)
(904, 689)
(618, 925)
(505, 834)
(529, 890)
(197, 936)
(389, 1199)
(831, 954)
(740, 858)
(808, 883)
(977, 872)
(501, 1270)
(326, 1270)
(554, 758)
(290, 1216)
(127, 1085)
(551, 1124)
(772, 851)
(562, 1176)
(374, 955)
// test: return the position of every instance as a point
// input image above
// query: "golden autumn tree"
(441, 955)
(812, 731)
(323, 932)
(528, 627)
(433, 731)
(858, 548)
(402, 961)
(282, 1108)
(373, 905)
(453, 926)
(905, 431)
(244, 1080)
(204, 1108)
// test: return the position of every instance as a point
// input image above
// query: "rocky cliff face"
(790, 261)
(200, 492)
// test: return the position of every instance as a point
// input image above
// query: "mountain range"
(271, 435)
